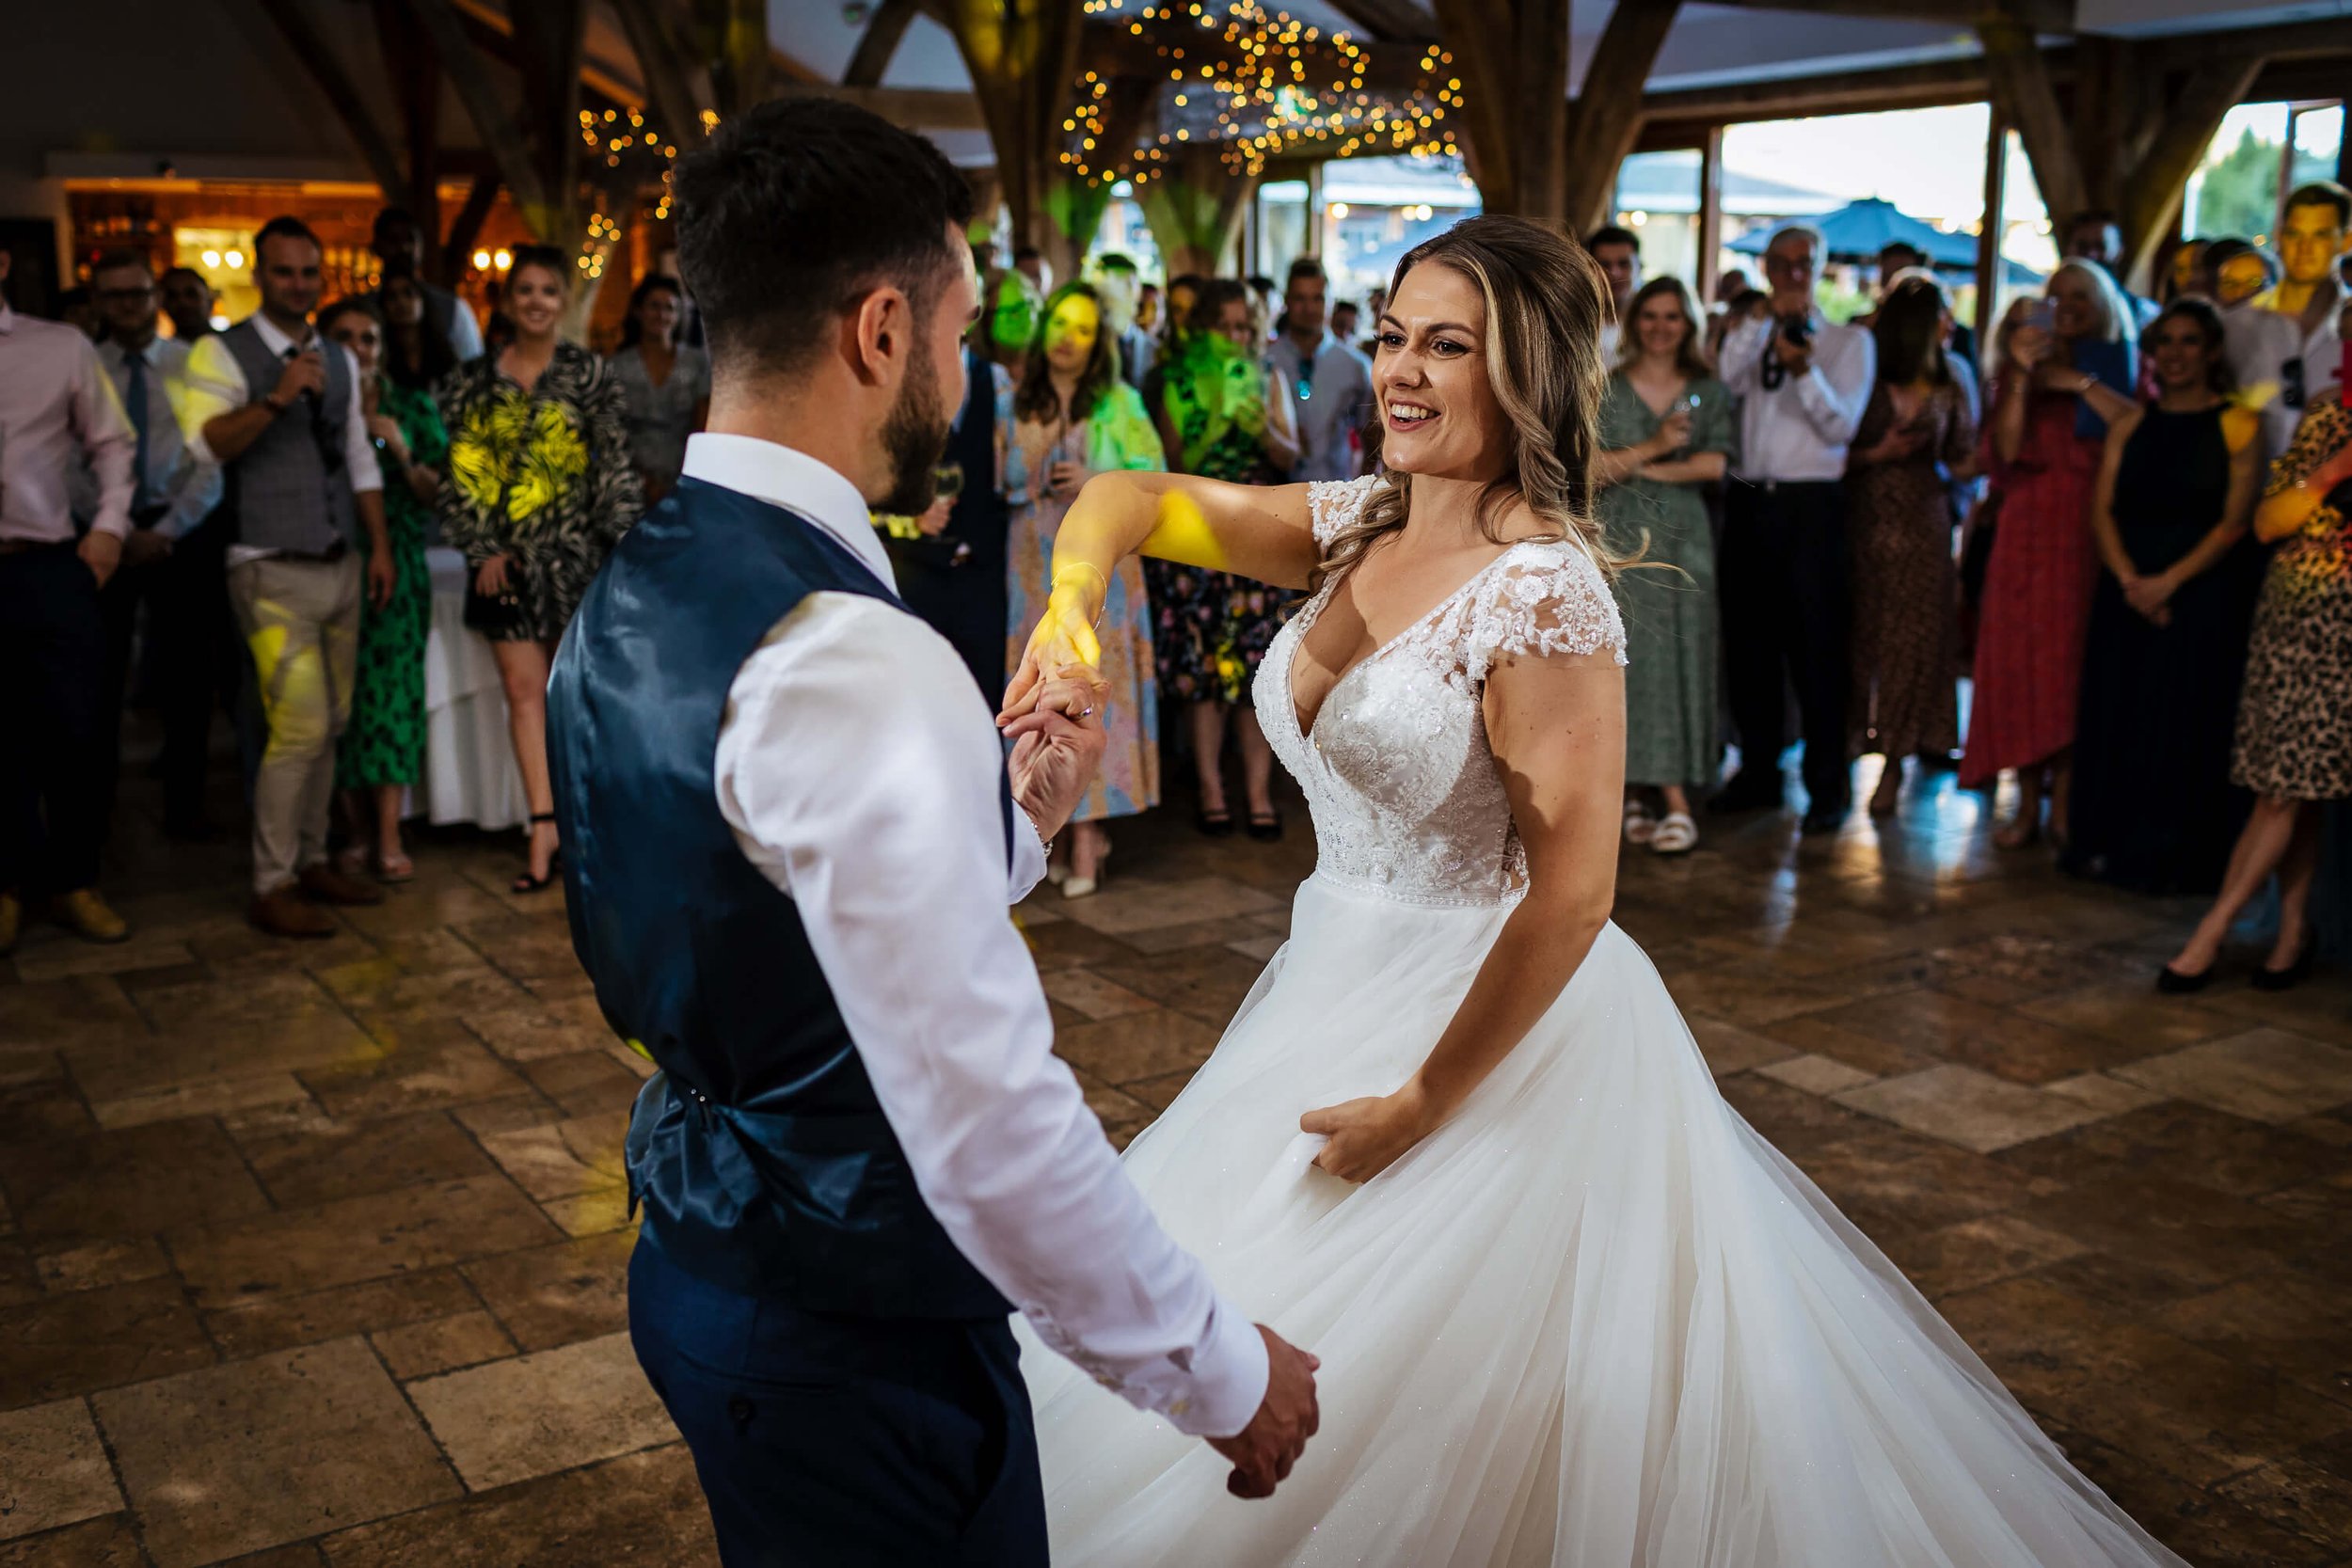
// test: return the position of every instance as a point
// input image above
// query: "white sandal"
(1675, 835)
(1639, 824)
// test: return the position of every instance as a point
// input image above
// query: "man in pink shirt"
(56, 410)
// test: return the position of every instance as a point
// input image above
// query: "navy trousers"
(843, 1442)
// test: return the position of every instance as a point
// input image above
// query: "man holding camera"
(1802, 382)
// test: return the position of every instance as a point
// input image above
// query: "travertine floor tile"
(444, 1344)
(1963, 1106)
(2267, 1074)
(1823, 1075)
(563, 1159)
(643, 1507)
(552, 1295)
(254, 1454)
(55, 1469)
(1122, 907)
(534, 1414)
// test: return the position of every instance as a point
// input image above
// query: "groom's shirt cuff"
(863, 776)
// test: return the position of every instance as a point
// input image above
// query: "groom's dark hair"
(794, 210)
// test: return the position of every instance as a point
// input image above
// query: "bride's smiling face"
(1439, 415)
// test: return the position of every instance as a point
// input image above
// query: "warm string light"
(1255, 84)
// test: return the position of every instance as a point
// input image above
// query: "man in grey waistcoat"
(278, 409)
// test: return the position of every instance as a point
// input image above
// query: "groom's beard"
(915, 438)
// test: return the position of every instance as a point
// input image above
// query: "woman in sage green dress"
(1666, 425)
(382, 749)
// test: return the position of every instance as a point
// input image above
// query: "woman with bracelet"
(1074, 418)
(382, 749)
(1667, 430)
(2295, 717)
(1221, 416)
(540, 490)
(1916, 431)
(2037, 586)
(2153, 807)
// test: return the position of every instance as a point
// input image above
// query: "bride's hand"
(1064, 636)
(1368, 1135)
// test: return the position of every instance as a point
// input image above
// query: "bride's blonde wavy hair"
(1546, 303)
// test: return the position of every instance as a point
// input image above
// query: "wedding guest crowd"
(2151, 593)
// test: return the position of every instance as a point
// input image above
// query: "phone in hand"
(2043, 317)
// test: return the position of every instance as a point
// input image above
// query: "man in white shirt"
(2308, 302)
(1330, 383)
(305, 487)
(171, 562)
(1619, 253)
(792, 840)
(1802, 382)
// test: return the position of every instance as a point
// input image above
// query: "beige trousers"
(301, 619)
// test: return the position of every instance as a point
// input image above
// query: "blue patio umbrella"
(1860, 230)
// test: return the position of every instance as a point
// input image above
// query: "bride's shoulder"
(1333, 504)
(1542, 599)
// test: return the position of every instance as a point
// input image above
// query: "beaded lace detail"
(1397, 771)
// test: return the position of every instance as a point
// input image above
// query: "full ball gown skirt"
(1594, 1320)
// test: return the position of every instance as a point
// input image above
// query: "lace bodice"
(1397, 772)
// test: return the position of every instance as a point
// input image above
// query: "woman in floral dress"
(1074, 418)
(382, 749)
(1221, 417)
(540, 490)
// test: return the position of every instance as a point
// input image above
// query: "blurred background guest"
(2095, 236)
(172, 559)
(1666, 428)
(2184, 273)
(1221, 414)
(57, 410)
(1619, 254)
(1116, 283)
(1345, 321)
(1328, 383)
(414, 356)
(2166, 651)
(2294, 746)
(188, 303)
(665, 385)
(951, 561)
(540, 488)
(382, 750)
(1074, 418)
(2044, 445)
(1919, 425)
(2236, 271)
(398, 242)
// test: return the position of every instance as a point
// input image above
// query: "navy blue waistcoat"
(761, 1155)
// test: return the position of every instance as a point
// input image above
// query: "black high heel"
(2293, 974)
(2171, 982)
(529, 883)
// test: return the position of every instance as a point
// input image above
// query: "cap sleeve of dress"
(1333, 504)
(1551, 602)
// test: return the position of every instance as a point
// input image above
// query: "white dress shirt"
(214, 385)
(57, 411)
(1799, 430)
(862, 775)
(186, 485)
(2266, 354)
(1337, 404)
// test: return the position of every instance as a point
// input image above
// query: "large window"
(2262, 151)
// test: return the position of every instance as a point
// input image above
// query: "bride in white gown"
(1571, 1308)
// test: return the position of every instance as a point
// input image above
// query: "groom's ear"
(880, 329)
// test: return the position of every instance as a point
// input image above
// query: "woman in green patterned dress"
(1665, 427)
(540, 489)
(1220, 416)
(382, 749)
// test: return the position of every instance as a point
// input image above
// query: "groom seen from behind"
(791, 837)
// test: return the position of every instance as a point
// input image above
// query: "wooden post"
(1600, 127)
(1989, 236)
(326, 71)
(2022, 96)
(881, 40)
(1710, 216)
(417, 82)
(1311, 232)
(676, 92)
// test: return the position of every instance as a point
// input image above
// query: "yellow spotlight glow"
(505, 259)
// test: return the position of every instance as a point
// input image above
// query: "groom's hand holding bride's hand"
(1056, 746)
(1064, 637)
(1264, 1451)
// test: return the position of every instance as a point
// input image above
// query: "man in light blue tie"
(171, 562)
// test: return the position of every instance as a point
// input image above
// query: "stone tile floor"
(314, 1254)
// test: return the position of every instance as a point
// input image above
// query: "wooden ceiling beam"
(879, 42)
(2043, 16)
(1388, 21)
(916, 108)
(325, 71)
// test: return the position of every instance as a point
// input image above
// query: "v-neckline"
(1306, 727)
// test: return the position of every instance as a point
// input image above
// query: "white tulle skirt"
(1593, 1321)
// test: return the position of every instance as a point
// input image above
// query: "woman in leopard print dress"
(2295, 715)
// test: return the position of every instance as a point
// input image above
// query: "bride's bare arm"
(1252, 530)
(1557, 728)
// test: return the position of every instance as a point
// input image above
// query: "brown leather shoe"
(330, 886)
(286, 914)
(11, 922)
(88, 916)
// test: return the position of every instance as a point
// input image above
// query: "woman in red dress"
(2044, 562)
